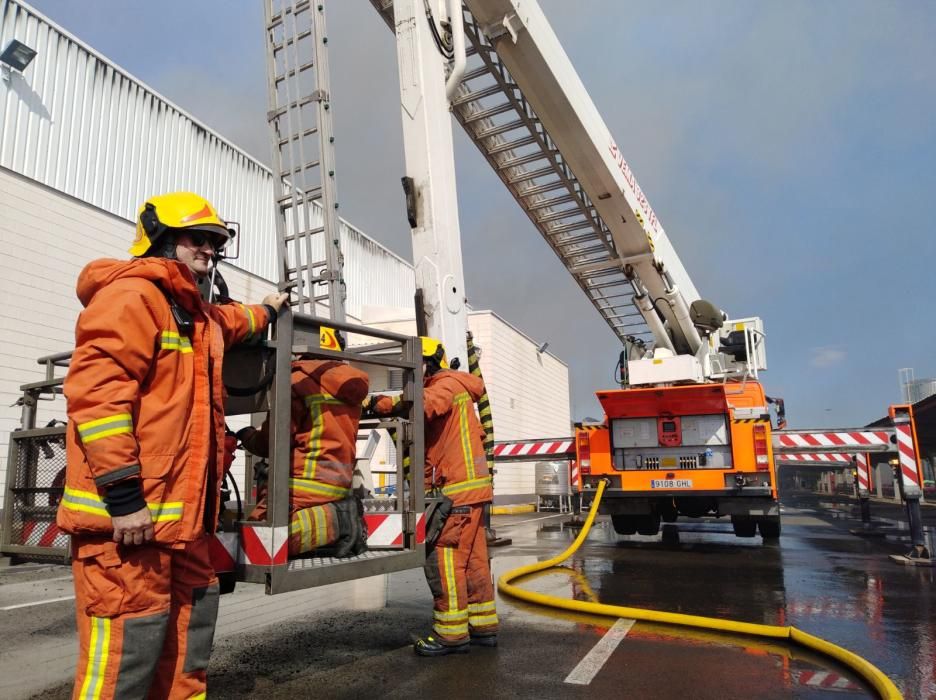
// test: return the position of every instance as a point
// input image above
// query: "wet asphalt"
(820, 578)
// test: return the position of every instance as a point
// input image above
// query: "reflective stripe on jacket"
(455, 460)
(326, 410)
(145, 401)
(454, 437)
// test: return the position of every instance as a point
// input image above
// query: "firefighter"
(326, 410)
(457, 567)
(145, 447)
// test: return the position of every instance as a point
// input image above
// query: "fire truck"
(688, 430)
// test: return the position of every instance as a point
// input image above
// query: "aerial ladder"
(689, 431)
(498, 67)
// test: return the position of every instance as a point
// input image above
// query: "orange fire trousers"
(146, 619)
(459, 575)
(313, 521)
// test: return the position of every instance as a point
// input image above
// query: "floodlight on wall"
(16, 56)
(542, 348)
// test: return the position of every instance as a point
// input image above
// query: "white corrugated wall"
(46, 238)
(76, 122)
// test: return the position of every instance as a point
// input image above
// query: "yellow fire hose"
(874, 676)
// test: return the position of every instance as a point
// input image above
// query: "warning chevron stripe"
(563, 448)
(833, 457)
(864, 479)
(908, 462)
(806, 441)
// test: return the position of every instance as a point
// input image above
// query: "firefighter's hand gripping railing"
(262, 551)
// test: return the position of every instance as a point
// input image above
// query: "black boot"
(352, 528)
(430, 646)
(486, 640)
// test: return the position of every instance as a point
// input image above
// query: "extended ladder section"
(305, 193)
(522, 104)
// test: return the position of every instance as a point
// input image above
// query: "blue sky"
(787, 147)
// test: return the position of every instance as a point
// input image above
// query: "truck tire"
(624, 524)
(769, 527)
(743, 526)
(648, 524)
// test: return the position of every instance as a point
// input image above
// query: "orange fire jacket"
(146, 402)
(455, 461)
(326, 410)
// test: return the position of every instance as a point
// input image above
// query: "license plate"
(671, 483)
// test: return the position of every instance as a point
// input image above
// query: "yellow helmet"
(432, 349)
(330, 339)
(177, 210)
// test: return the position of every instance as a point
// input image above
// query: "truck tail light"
(761, 457)
(583, 448)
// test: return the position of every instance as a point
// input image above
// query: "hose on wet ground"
(864, 668)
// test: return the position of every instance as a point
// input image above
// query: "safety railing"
(258, 379)
(396, 527)
(36, 473)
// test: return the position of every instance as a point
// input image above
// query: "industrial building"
(83, 143)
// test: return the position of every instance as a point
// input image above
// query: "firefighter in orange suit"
(326, 410)
(457, 566)
(145, 451)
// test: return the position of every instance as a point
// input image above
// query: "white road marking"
(38, 602)
(588, 667)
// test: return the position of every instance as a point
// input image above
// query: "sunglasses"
(200, 238)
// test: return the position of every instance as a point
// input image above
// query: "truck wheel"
(648, 524)
(743, 526)
(624, 524)
(769, 527)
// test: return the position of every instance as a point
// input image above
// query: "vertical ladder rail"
(337, 291)
(302, 140)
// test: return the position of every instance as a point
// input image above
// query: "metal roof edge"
(127, 74)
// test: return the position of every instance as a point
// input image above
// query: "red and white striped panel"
(907, 455)
(535, 448)
(575, 476)
(385, 530)
(847, 439)
(224, 548)
(825, 680)
(864, 477)
(43, 534)
(829, 457)
(264, 546)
